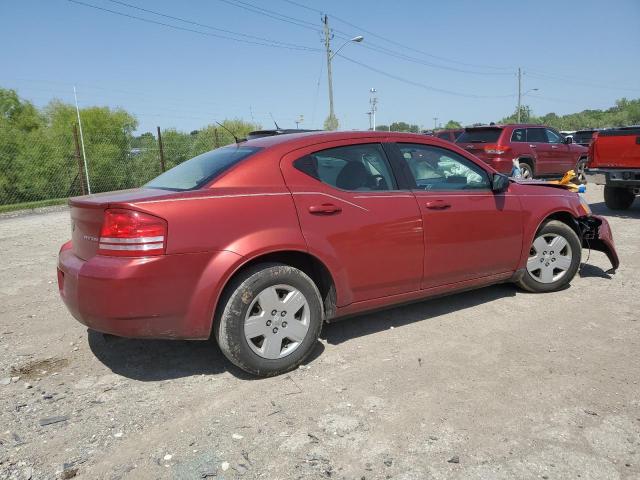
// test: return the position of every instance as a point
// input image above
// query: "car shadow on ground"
(590, 271)
(156, 360)
(601, 209)
(366, 324)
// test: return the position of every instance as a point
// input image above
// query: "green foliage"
(625, 112)
(331, 123)
(404, 127)
(37, 149)
(382, 128)
(452, 124)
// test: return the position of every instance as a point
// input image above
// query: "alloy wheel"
(277, 321)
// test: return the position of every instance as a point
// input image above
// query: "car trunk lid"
(616, 148)
(87, 215)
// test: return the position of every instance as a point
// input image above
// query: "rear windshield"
(480, 135)
(200, 170)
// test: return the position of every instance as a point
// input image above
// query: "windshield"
(200, 170)
(480, 135)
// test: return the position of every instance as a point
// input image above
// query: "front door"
(470, 232)
(354, 218)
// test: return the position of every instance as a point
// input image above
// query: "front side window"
(537, 135)
(354, 167)
(200, 170)
(553, 137)
(435, 168)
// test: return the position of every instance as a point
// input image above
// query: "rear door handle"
(437, 205)
(324, 209)
(532, 146)
(554, 146)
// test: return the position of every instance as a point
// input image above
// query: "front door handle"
(532, 146)
(324, 209)
(437, 205)
(555, 147)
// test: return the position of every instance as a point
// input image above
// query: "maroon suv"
(541, 150)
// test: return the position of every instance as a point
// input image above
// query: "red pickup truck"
(614, 161)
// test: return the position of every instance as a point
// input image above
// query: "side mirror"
(568, 139)
(499, 182)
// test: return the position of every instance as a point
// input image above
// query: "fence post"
(162, 165)
(216, 139)
(79, 160)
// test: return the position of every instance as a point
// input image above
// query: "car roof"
(294, 140)
(504, 125)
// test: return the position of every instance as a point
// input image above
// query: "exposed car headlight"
(584, 205)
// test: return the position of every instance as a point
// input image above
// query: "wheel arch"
(311, 265)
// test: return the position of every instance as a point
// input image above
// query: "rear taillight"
(493, 149)
(127, 233)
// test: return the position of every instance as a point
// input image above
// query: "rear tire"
(617, 198)
(554, 258)
(256, 339)
(580, 167)
(526, 170)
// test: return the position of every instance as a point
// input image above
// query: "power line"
(209, 34)
(418, 84)
(346, 36)
(153, 12)
(545, 76)
(444, 59)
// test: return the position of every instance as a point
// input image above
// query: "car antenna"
(232, 134)
(274, 121)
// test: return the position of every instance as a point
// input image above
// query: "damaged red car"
(259, 243)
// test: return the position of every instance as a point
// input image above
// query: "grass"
(31, 205)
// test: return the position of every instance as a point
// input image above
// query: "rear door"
(355, 218)
(469, 231)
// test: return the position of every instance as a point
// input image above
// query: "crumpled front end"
(596, 235)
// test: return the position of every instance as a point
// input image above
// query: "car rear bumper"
(169, 296)
(615, 177)
(596, 235)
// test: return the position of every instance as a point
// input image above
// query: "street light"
(332, 122)
(356, 39)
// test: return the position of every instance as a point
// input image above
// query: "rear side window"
(200, 170)
(480, 135)
(444, 135)
(353, 167)
(519, 135)
(537, 135)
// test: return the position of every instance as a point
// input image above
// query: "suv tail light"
(127, 233)
(494, 149)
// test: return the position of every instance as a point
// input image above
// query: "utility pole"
(84, 154)
(370, 113)
(519, 92)
(327, 44)
(161, 150)
(435, 123)
(299, 120)
(373, 101)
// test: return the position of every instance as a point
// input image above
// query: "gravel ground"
(490, 384)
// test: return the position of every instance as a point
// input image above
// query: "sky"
(447, 59)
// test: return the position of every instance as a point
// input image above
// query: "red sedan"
(260, 242)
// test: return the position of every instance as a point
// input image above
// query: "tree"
(382, 128)
(452, 124)
(404, 127)
(331, 123)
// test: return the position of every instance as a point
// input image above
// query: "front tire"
(617, 198)
(554, 258)
(580, 167)
(270, 319)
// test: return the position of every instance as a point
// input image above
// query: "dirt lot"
(494, 383)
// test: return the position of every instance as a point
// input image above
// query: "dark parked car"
(258, 243)
(584, 137)
(541, 150)
(450, 135)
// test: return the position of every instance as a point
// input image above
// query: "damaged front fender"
(596, 235)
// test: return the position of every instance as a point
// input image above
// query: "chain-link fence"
(38, 169)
